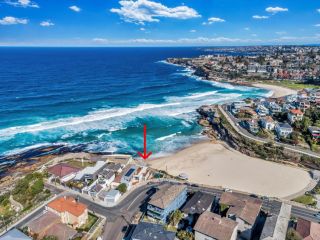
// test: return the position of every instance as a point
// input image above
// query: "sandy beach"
(215, 165)
(278, 91)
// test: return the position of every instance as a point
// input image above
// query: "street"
(119, 217)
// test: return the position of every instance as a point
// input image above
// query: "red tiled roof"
(68, 204)
(296, 111)
(308, 230)
(62, 169)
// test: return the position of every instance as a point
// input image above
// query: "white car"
(227, 190)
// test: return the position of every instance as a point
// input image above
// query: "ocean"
(102, 97)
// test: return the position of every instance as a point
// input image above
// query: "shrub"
(122, 188)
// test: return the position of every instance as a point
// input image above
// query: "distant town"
(243, 64)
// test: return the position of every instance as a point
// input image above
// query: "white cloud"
(259, 17)
(141, 11)
(254, 35)
(22, 3)
(12, 21)
(46, 23)
(75, 8)
(317, 25)
(181, 41)
(100, 40)
(318, 10)
(193, 30)
(142, 29)
(247, 28)
(275, 10)
(213, 20)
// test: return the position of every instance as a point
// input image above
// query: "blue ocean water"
(102, 97)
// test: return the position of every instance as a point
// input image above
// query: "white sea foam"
(91, 117)
(166, 137)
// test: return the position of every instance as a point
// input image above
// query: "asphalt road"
(120, 216)
(234, 122)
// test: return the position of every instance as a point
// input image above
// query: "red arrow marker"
(145, 155)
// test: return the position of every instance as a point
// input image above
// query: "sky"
(158, 22)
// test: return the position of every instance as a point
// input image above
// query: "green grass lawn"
(306, 200)
(292, 84)
(92, 219)
(79, 164)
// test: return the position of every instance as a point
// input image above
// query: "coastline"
(216, 165)
(278, 91)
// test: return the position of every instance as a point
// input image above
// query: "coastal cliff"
(218, 128)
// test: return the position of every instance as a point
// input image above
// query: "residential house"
(198, 203)
(211, 226)
(303, 105)
(295, 115)
(49, 224)
(109, 197)
(94, 189)
(90, 173)
(283, 129)
(128, 175)
(14, 234)
(262, 111)
(251, 125)
(235, 106)
(267, 123)
(63, 171)
(242, 209)
(275, 108)
(248, 112)
(107, 176)
(114, 167)
(308, 230)
(315, 132)
(148, 231)
(167, 199)
(141, 174)
(69, 210)
(276, 225)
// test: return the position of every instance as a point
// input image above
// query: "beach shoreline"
(277, 91)
(216, 165)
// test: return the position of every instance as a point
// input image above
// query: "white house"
(295, 115)
(283, 129)
(267, 123)
(109, 197)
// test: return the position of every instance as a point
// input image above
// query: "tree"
(122, 188)
(175, 217)
(51, 237)
(293, 235)
(184, 235)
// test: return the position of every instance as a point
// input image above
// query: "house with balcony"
(314, 132)
(90, 173)
(128, 175)
(295, 115)
(251, 125)
(167, 199)
(267, 123)
(262, 111)
(283, 129)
